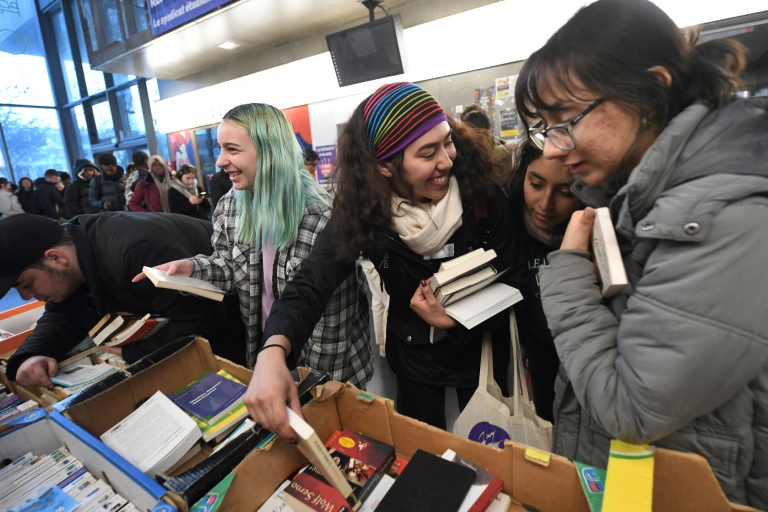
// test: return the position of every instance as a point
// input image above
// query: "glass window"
(130, 113)
(153, 92)
(65, 55)
(110, 22)
(83, 140)
(103, 119)
(136, 12)
(5, 172)
(33, 138)
(122, 79)
(94, 80)
(24, 77)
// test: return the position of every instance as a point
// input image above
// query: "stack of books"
(56, 481)
(466, 287)
(13, 406)
(119, 329)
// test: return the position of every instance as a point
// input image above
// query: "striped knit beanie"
(398, 114)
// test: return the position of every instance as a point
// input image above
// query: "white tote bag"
(490, 418)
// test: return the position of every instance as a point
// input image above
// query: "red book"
(308, 493)
(137, 330)
(361, 459)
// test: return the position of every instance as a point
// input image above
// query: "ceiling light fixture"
(228, 45)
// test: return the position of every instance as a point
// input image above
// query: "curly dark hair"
(362, 208)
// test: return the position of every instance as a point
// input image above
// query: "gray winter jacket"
(680, 359)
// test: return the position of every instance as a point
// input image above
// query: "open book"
(605, 247)
(161, 279)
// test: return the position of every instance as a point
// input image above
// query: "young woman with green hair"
(262, 231)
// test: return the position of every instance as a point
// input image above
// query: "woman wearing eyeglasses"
(647, 121)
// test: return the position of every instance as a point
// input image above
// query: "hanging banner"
(165, 15)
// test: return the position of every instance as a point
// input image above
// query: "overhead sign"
(165, 15)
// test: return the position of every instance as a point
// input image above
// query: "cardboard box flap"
(166, 352)
(192, 484)
(554, 486)
(98, 411)
(684, 481)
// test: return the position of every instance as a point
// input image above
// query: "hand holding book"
(579, 230)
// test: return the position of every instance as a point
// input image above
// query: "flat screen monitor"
(367, 52)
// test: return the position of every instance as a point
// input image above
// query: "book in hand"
(428, 484)
(362, 460)
(210, 397)
(136, 330)
(161, 279)
(316, 453)
(460, 267)
(484, 489)
(605, 248)
(480, 306)
(155, 436)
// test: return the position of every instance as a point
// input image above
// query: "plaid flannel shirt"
(339, 343)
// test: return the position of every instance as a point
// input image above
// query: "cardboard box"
(109, 401)
(17, 320)
(50, 432)
(681, 481)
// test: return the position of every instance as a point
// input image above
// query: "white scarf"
(186, 190)
(426, 229)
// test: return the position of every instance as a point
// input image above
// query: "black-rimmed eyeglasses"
(561, 134)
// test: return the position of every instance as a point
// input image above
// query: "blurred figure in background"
(311, 159)
(107, 190)
(76, 194)
(475, 116)
(219, 185)
(26, 194)
(185, 196)
(9, 203)
(151, 194)
(140, 159)
(48, 199)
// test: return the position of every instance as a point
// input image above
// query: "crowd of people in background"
(147, 184)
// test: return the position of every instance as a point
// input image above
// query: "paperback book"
(154, 437)
(161, 279)
(484, 489)
(605, 248)
(210, 397)
(482, 305)
(466, 266)
(362, 460)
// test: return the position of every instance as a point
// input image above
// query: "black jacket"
(111, 189)
(48, 200)
(111, 249)
(179, 203)
(454, 361)
(219, 185)
(27, 200)
(76, 198)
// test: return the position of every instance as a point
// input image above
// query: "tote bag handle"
(519, 388)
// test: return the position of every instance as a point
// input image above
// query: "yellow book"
(629, 479)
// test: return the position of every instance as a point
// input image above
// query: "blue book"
(210, 397)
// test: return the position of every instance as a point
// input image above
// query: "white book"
(605, 248)
(161, 279)
(155, 436)
(317, 454)
(479, 307)
(501, 503)
(378, 493)
(468, 264)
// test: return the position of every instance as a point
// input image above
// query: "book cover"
(161, 279)
(482, 305)
(276, 502)
(477, 262)
(212, 500)
(605, 247)
(428, 484)
(466, 286)
(210, 397)
(484, 489)
(361, 459)
(317, 454)
(306, 493)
